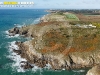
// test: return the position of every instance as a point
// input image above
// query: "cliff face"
(59, 44)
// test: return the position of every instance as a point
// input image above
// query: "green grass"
(72, 17)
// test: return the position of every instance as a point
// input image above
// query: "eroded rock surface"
(59, 44)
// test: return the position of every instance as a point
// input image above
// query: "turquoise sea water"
(9, 18)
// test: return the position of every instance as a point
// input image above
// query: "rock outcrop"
(39, 52)
(72, 61)
(59, 44)
(14, 31)
(94, 71)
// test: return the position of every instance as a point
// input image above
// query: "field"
(88, 18)
(72, 17)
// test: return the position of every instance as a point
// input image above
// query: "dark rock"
(16, 30)
(11, 30)
(24, 32)
(23, 62)
(32, 35)
(27, 66)
(18, 43)
(67, 68)
(18, 51)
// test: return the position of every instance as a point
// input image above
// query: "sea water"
(10, 61)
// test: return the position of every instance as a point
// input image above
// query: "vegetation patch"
(72, 17)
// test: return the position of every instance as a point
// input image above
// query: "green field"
(72, 17)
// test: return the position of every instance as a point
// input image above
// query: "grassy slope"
(84, 40)
(56, 37)
(59, 40)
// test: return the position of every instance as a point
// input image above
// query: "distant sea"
(9, 61)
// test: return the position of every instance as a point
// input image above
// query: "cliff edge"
(59, 44)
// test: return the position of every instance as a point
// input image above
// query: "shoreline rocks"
(45, 59)
(26, 65)
(94, 71)
(14, 31)
(30, 50)
(74, 60)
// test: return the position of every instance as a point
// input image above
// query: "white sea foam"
(13, 45)
(6, 32)
(17, 35)
(8, 35)
(19, 25)
(63, 69)
(78, 70)
(17, 58)
(36, 68)
(36, 21)
(48, 66)
(17, 63)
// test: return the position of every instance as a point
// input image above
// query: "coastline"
(27, 51)
(21, 64)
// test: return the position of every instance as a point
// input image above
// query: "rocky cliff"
(59, 44)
